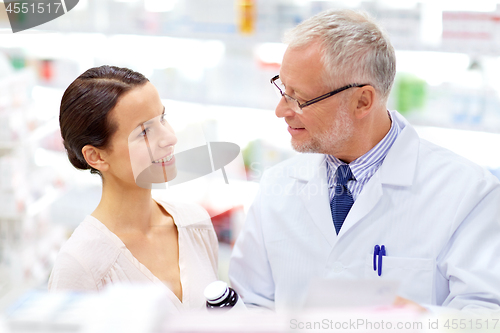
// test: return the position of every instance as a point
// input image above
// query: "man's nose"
(283, 109)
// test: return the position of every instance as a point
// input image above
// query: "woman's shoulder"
(90, 237)
(187, 214)
(90, 248)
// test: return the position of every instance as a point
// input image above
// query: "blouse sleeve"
(70, 274)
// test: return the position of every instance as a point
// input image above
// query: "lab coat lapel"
(401, 162)
(312, 188)
(367, 199)
(398, 169)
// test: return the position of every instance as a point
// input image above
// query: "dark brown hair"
(85, 107)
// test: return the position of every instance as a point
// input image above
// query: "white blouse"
(94, 256)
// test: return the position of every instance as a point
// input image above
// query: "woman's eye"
(145, 132)
(163, 119)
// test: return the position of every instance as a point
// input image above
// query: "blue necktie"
(342, 200)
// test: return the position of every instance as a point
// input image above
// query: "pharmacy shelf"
(39, 133)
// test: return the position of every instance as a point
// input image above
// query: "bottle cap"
(216, 291)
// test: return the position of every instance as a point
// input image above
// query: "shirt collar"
(361, 166)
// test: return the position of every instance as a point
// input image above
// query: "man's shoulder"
(457, 168)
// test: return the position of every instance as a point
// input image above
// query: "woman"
(113, 123)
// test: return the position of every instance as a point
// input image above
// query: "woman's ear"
(95, 157)
(365, 99)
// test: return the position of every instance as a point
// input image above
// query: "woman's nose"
(167, 137)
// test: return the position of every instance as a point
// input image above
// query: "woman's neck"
(126, 210)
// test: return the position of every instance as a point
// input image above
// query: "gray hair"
(353, 47)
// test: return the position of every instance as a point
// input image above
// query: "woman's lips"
(171, 161)
(164, 159)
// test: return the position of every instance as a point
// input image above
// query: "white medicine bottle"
(220, 296)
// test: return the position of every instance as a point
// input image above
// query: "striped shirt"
(364, 167)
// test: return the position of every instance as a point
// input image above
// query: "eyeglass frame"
(317, 99)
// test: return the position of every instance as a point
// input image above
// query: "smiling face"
(324, 127)
(141, 150)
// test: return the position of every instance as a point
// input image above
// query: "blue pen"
(376, 251)
(380, 255)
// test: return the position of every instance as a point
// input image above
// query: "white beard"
(332, 140)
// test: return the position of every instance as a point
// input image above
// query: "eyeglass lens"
(280, 91)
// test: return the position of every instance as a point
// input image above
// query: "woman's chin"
(156, 175)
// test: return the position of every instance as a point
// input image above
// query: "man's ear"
(95, 157)
(365, 101)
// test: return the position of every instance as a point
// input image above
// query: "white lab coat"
(437, 214)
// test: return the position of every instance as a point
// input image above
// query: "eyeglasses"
(295, 105)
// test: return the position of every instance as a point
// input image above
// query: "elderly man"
(367, 190)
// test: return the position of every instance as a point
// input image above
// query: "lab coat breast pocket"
(415, 275)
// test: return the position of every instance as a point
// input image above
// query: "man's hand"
(401, 302)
